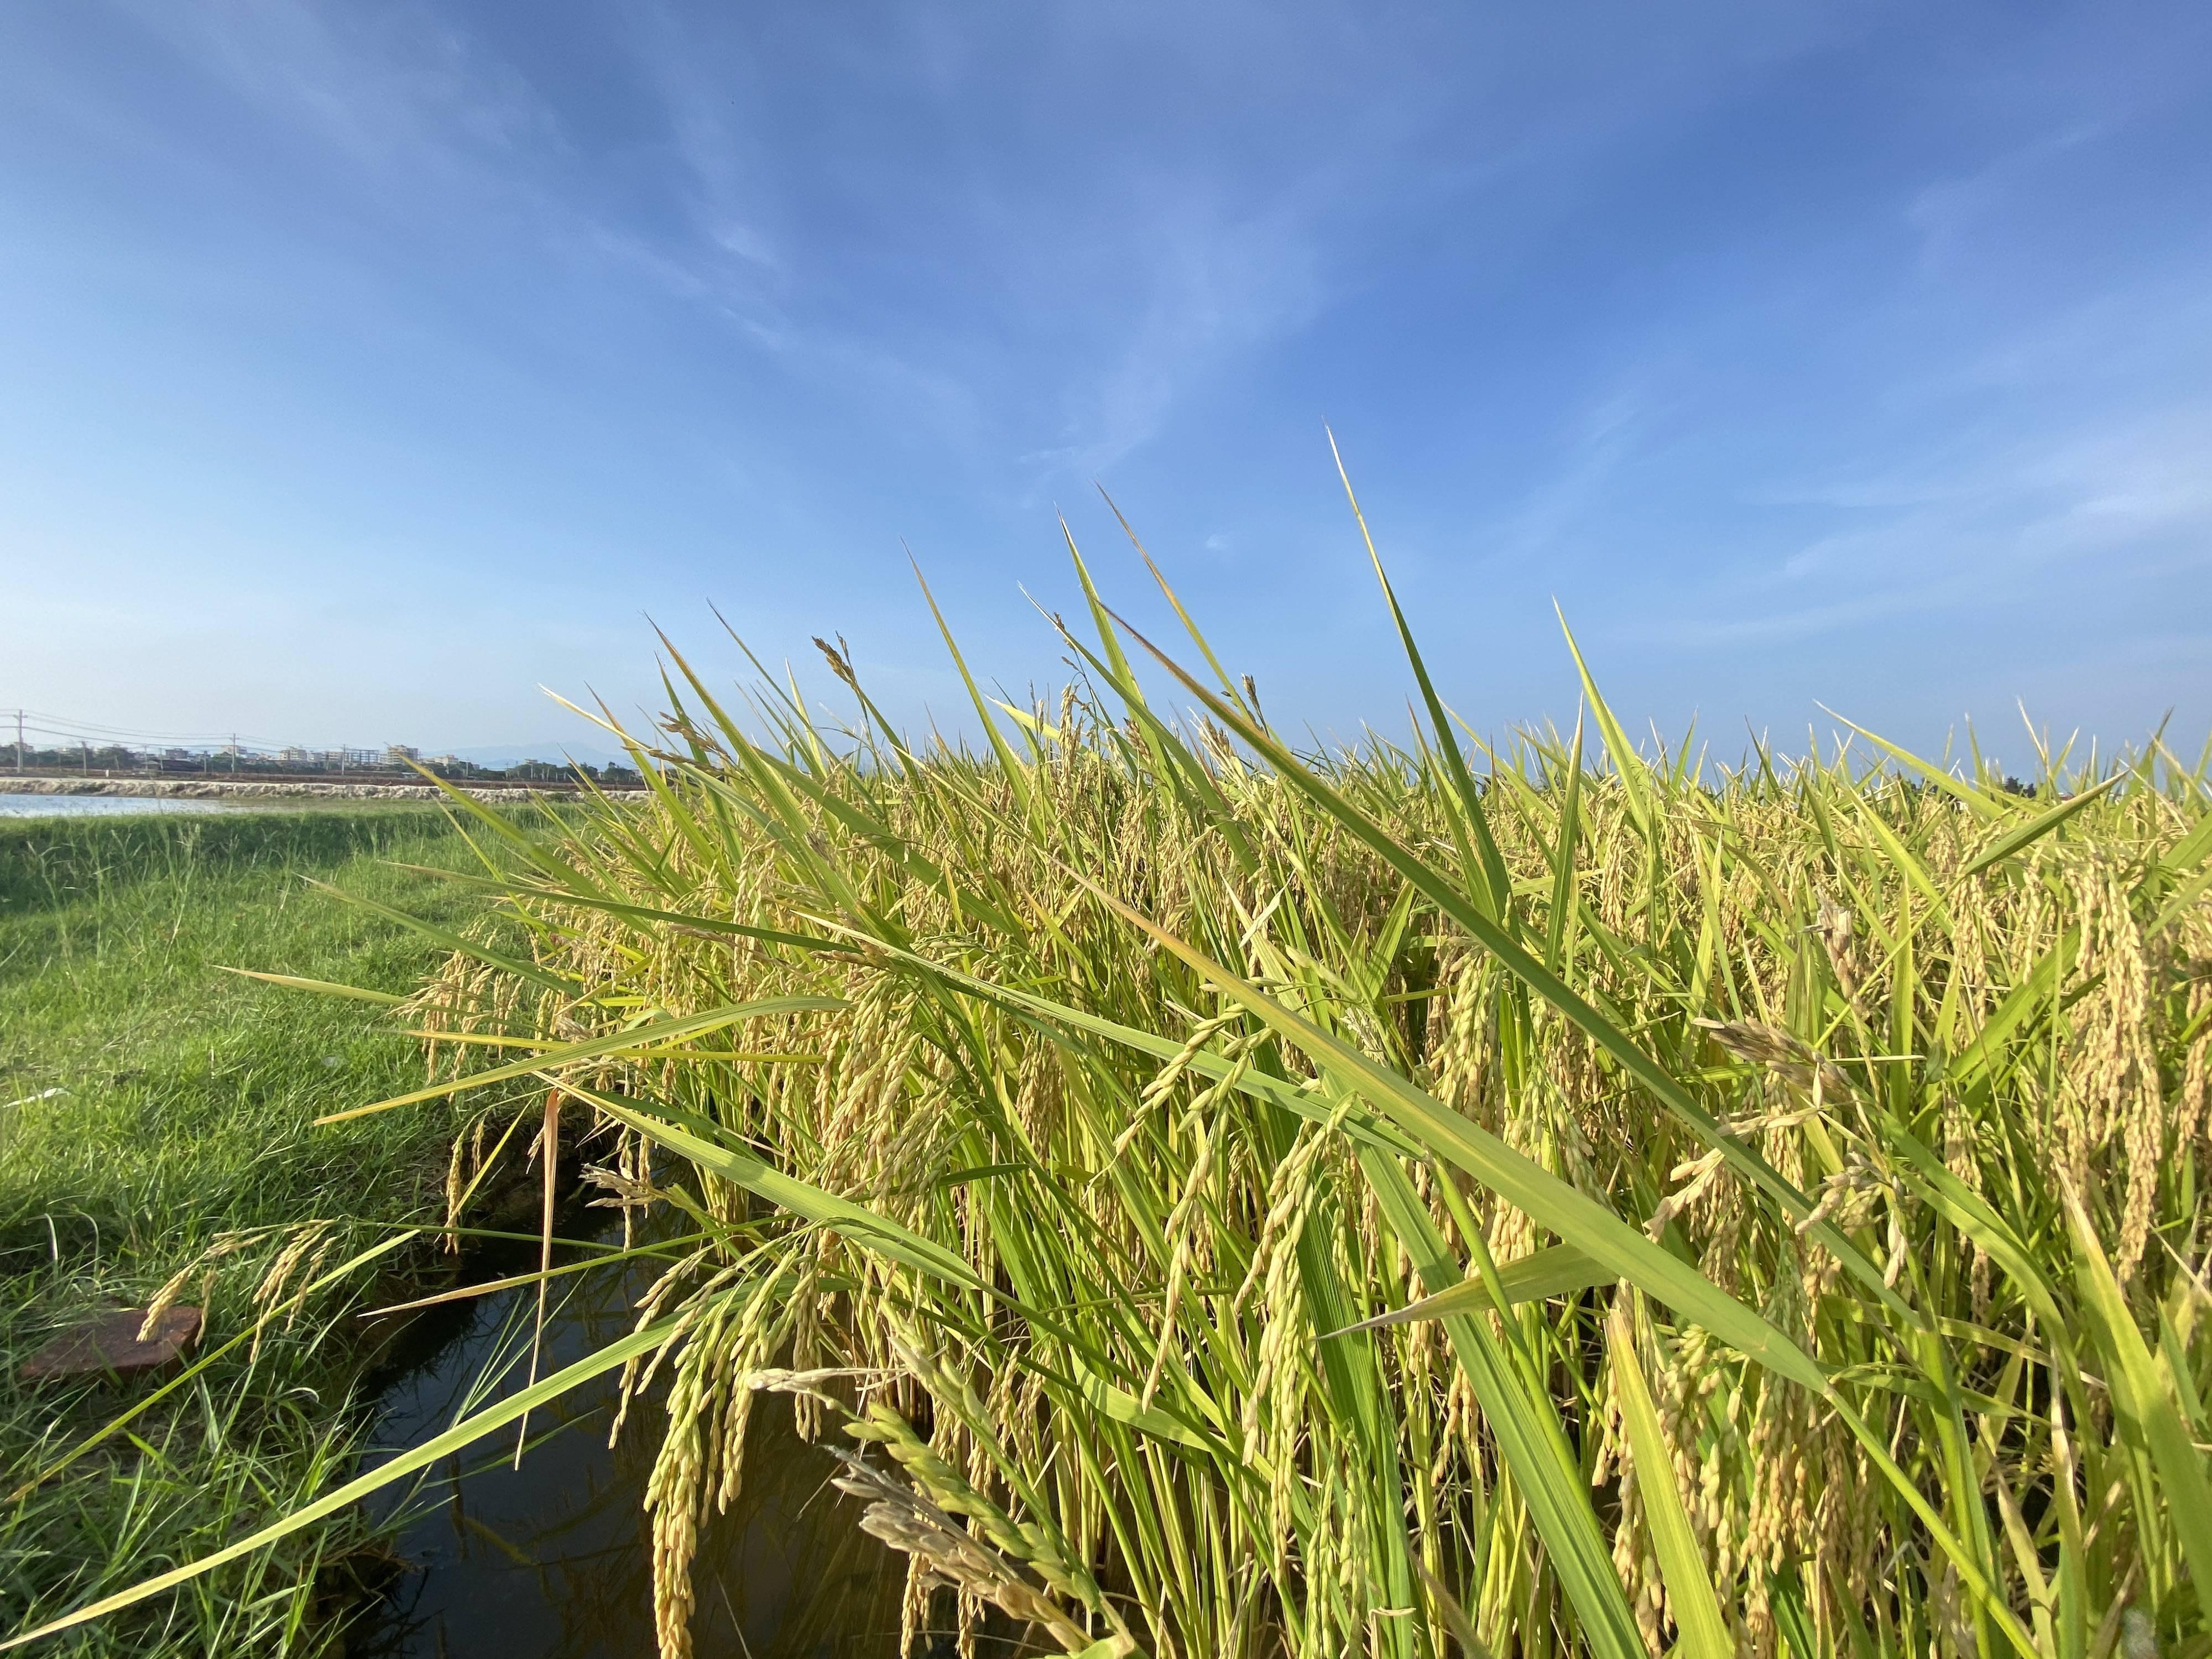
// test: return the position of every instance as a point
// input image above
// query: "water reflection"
(553, 1559)
(100, 806)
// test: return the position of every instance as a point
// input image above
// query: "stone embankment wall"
(212, 789)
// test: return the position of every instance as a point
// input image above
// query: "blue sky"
(369, 365)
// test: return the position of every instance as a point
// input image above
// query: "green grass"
(184, 1110)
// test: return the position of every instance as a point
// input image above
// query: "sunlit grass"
(159, 1104)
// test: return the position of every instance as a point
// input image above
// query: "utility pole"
(18, 740)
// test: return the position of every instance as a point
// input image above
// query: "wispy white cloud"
(1576, 493)
(1208, 290)
(405, 90)
(1948, 213)
(2099, 504)
(1090, 316)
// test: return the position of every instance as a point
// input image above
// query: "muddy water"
(552, 1559)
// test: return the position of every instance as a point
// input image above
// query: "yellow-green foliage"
(1050, 1117)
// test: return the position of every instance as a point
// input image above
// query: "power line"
(33, 734)
(75, 727)
(74, 733)
(71, 738)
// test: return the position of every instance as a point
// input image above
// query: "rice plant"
(1529, 1199)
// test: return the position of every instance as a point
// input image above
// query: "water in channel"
(552, 1559)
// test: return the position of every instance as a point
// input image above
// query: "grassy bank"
(160, 1104)
(1574, 1202)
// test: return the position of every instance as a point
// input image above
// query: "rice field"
(1524, 1198)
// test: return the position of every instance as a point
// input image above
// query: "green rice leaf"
(1525, 1423)
(1974, 798)
(2145, 1403)
(323, 987)
(1555, 1270)
(2036, 829)
(655, 1031)
(1627, 765)
(1700, 1632)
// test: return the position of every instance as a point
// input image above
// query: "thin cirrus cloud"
(1798, 352)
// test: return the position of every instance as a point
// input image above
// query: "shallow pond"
(553, 1559)
(100, 806)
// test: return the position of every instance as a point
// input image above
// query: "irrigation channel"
(551, 1558)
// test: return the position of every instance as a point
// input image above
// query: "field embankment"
(150, 1106)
